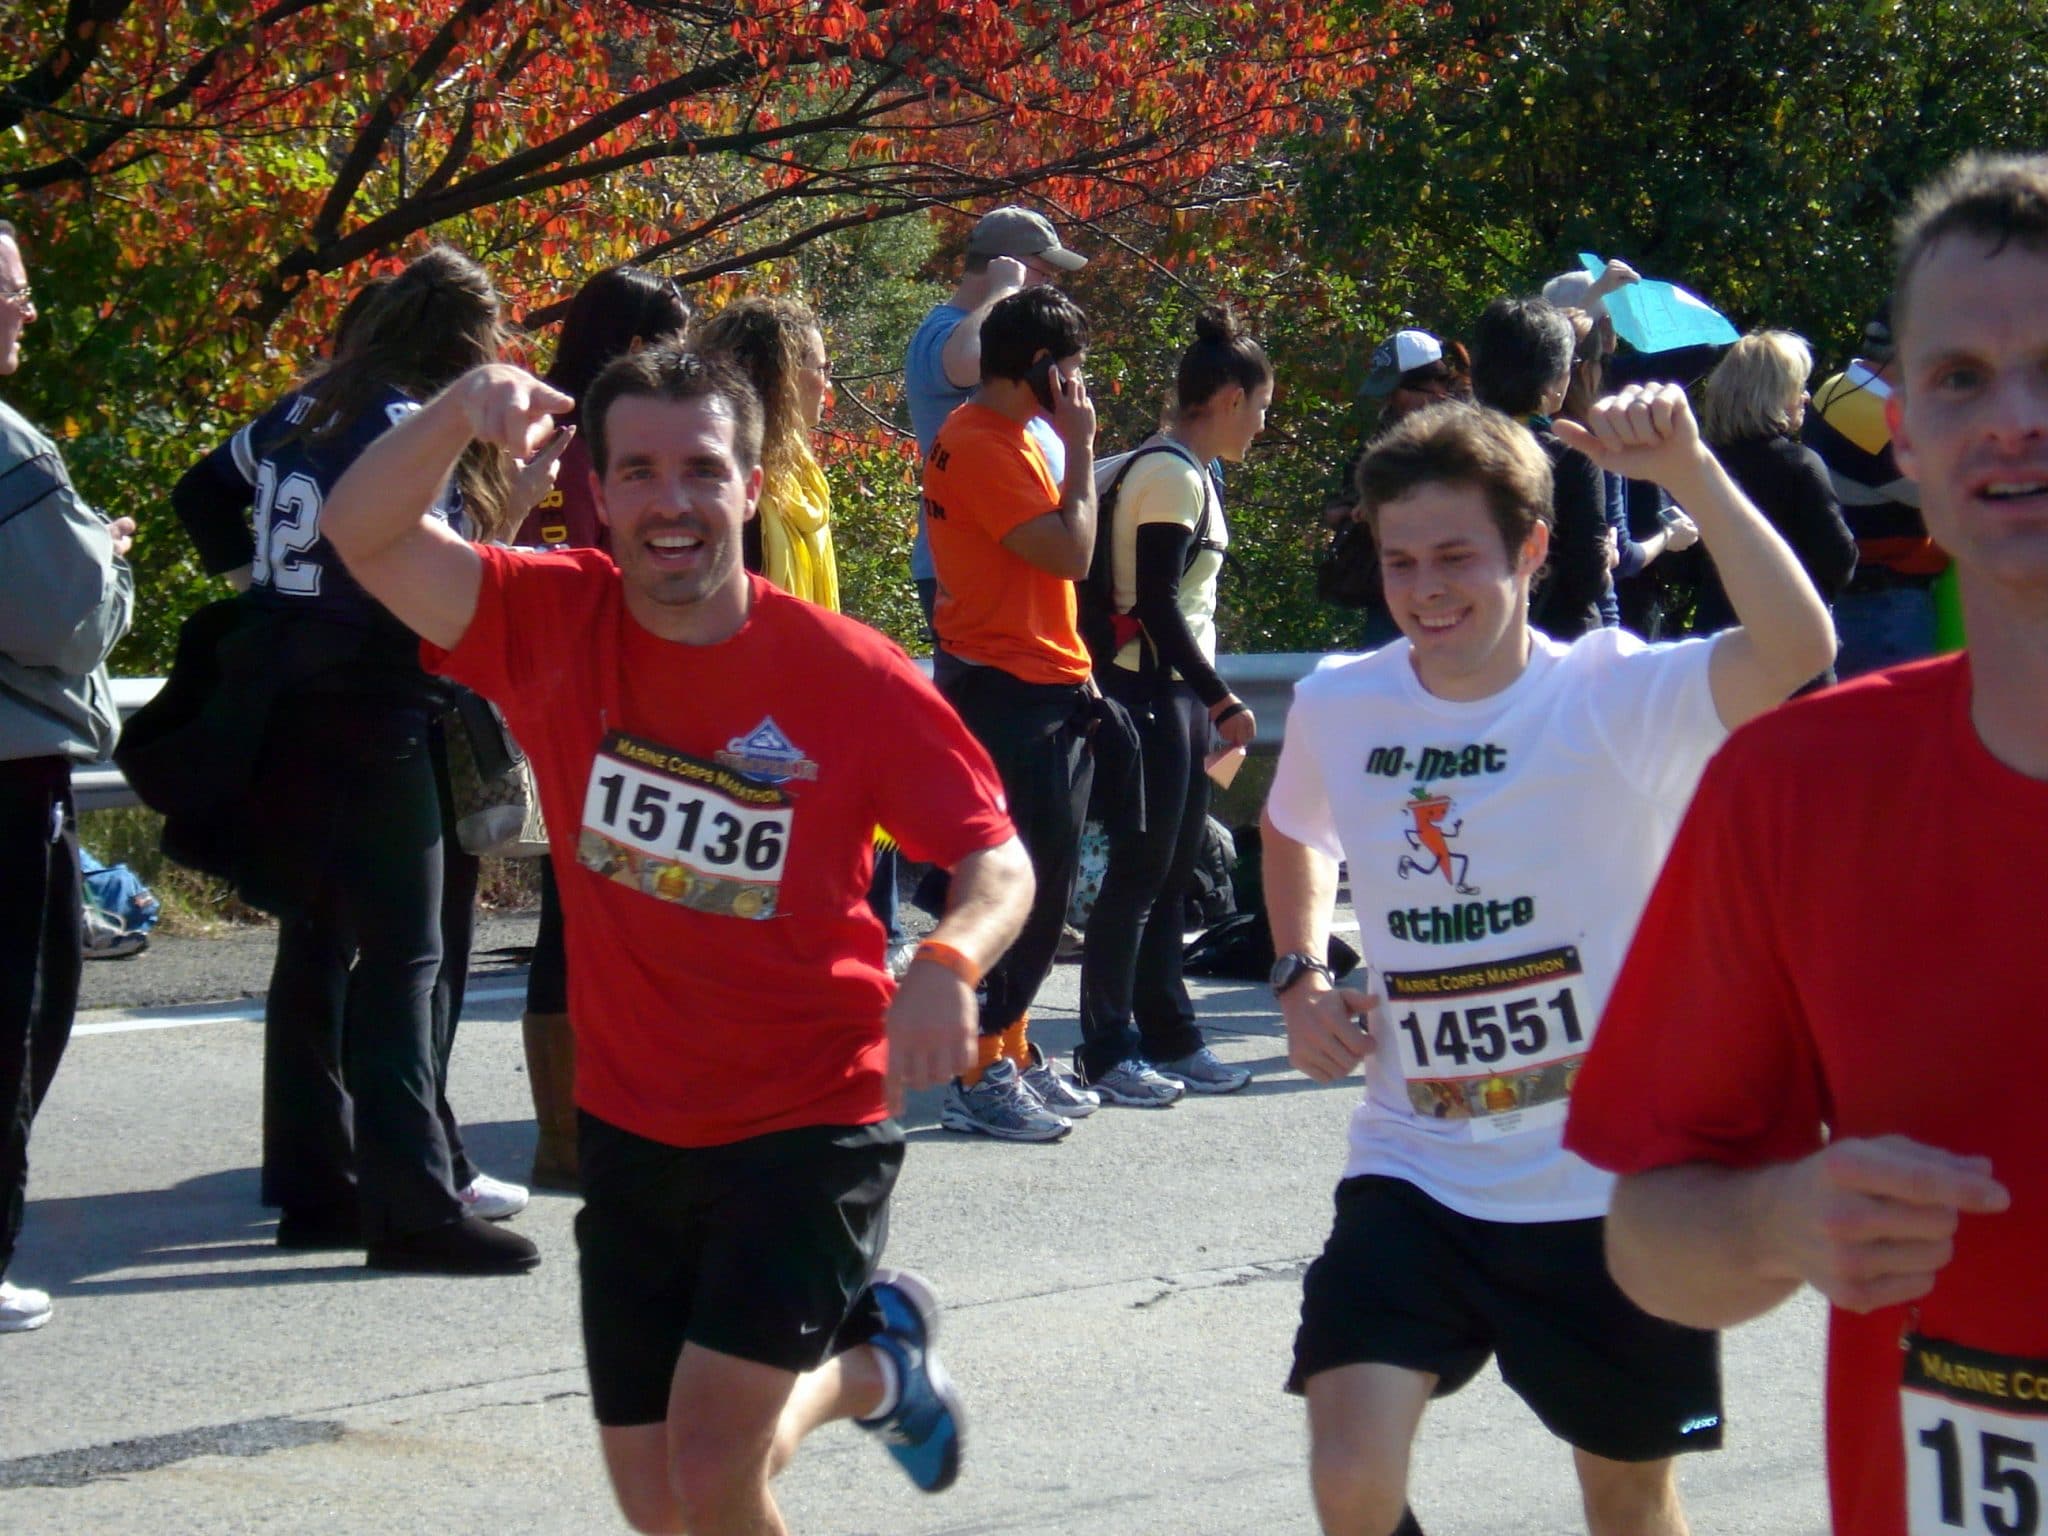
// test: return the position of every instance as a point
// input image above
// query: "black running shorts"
(1406, 1281)
(761, 1248)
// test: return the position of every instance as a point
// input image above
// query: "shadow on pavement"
(207, 1233)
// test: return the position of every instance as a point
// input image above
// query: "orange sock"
(988, 1050)
(1017, 1043)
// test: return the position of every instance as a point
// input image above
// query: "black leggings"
(370, 972)
(41, 914)
(1037, 735)
(547, 981)
(1134, 1000)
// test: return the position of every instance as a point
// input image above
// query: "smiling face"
(1454, 591)
(675, 497)
(1969, 415)
(17, 310)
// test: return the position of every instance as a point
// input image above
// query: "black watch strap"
(1292, 966)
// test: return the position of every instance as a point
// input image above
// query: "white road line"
(124, 1021)
(135, 1021)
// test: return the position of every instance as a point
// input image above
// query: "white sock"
(892, 1386)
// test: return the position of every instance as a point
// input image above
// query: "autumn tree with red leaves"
(200, 186)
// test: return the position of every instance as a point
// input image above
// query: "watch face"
(1286, 970)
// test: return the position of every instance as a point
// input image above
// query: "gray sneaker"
(1204, 1071)
(1000, 1106)
(1059, 1092)
(1135, 1085)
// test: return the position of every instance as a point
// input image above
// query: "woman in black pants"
(618, 311)
(1140, 1044)
(347, 831)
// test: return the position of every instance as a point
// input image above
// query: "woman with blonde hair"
(1753, 405)
(781, 347)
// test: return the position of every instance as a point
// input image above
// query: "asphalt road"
(1120, 1311)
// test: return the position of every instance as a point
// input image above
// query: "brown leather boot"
(551, 1070)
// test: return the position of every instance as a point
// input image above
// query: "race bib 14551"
(1495, 1045)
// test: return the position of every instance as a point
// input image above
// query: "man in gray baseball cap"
(1009, 249)
(1020, 233)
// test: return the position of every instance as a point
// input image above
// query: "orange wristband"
(945, 954)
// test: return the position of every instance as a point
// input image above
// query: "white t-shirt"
(1500, 853)
(1167, 488)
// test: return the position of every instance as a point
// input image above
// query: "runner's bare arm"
(933, 1021)
(1786, 637)
(378, 515)
(1324, 1039)
(1868, 1223)
(961, 355)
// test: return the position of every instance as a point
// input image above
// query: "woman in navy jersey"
(347, 834)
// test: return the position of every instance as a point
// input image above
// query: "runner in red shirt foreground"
(1822, 1062)
(713, 757)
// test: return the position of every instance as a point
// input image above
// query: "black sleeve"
(1162, 560)
(1578, 552)
(1812, 524)
(212, 500)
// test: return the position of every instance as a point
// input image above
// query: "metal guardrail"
(1264, 681)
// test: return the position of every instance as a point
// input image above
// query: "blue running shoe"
(923, 1430)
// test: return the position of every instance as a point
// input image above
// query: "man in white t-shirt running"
(1503, 802)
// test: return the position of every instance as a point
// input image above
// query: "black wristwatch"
(1291, 967)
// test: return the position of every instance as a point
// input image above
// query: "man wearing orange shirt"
(1008, 544)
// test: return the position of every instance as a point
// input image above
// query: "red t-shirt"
(711, 812)
(1842, 945)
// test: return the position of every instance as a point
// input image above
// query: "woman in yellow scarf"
(782, 348)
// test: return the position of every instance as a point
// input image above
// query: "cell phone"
(1668, 515)
(1043, 379)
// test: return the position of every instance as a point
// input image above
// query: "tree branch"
(369, 144)
(79, 163)
(77, 50)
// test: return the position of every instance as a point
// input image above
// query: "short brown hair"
(668, 370)
(1994, 198)
(1455, 442)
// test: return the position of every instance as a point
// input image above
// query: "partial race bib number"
(681, 829)
(1976, 1435)
(1494, 1046)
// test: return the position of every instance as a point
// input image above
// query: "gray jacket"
(65, 600)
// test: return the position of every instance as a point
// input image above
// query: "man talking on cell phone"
(1503, 800)
(1009, 542)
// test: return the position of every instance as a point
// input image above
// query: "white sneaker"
(491, 1199)
(898, 957)
(22, 1309)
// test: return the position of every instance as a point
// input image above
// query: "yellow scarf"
(796, 536)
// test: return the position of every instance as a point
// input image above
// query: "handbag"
(490, 782)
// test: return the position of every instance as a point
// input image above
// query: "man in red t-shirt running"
(1820, 1064)
(711, 800)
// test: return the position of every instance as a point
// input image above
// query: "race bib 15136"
(1976, 1435)
(681, 829)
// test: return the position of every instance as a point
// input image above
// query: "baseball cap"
(1401, 353)
(1020, 232)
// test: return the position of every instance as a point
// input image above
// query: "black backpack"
(1103, 629)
